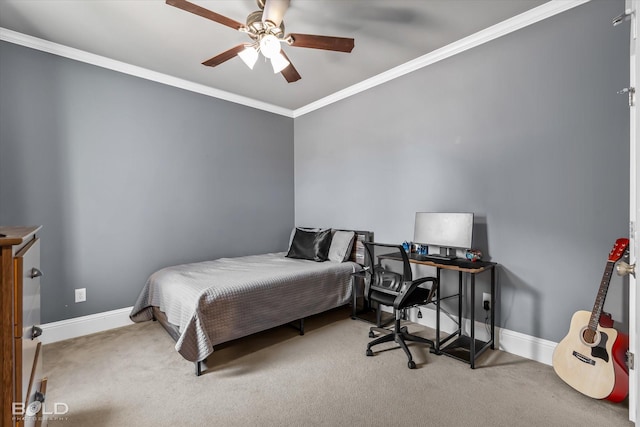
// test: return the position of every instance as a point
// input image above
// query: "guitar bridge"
(583, 358)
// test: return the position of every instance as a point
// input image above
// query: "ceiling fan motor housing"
(257, 28)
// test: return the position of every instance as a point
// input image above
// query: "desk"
(466, 349)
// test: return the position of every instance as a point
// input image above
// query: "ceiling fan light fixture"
(249, 56)
(265, 27)
(279, 63)
(269, 46)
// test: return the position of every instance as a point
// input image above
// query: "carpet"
(133, 376)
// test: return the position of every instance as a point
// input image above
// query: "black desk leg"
(472, 349)
(493, 306)
(460, 303)
(438, 311)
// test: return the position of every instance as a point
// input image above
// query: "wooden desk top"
(446, 264)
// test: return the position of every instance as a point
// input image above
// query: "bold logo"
(34, 408)
(18, 409)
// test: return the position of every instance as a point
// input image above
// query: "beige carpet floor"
(133, 376)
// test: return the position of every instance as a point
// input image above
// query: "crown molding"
(510, 25)
(133, 70)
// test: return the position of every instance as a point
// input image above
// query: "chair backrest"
(388, 267)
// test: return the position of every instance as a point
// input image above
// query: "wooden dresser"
(20, 352)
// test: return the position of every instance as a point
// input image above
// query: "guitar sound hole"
(590, 337)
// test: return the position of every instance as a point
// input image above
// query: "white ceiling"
(164, 39)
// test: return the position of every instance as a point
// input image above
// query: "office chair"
(387, 286)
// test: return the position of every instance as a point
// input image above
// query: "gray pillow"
(311, 245)
(341, 245)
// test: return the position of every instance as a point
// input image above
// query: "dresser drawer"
(27, 290)
(20, 348)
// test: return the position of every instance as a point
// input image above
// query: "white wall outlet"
(486, 297)
(81, 295)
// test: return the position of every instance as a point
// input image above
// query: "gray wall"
(128, 176)
(526, 131)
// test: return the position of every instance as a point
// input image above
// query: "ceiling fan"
(266, 29)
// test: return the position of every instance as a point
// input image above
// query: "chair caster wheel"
(369, 352)
(371, 335)
(411, 364)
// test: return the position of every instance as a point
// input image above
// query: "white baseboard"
(533, 348)
(512, 342)
(85, 325)
(526, 346)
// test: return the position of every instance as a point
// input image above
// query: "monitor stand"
(452, 253)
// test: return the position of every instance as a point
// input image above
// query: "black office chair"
(389, 282)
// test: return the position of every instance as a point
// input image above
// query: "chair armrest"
(422, 280)
(398, 303)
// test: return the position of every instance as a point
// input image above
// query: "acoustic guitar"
(591, 358)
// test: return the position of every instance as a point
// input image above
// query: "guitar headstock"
(618, 249)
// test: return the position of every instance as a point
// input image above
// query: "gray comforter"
(217, 301)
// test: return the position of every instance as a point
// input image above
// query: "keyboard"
(432, 257)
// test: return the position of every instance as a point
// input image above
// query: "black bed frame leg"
(299, 327)
(198, 368)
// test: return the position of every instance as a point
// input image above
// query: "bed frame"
(357, 255)
(172, 329)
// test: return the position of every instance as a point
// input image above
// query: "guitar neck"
(601, 296)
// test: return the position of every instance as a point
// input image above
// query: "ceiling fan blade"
(290, 73)
(224, 56)
(339, 44)
(205, 13)
(274, 11)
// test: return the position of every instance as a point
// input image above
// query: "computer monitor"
(447, 230)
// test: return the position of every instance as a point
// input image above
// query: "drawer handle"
(35, 332)
(35, 273)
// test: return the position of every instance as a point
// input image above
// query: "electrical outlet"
(81, 295)
(486, 301)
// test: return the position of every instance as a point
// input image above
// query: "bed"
(204, 304)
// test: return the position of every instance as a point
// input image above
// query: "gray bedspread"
(217, 301)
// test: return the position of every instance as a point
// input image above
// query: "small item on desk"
(473, 254)
(407, 246)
